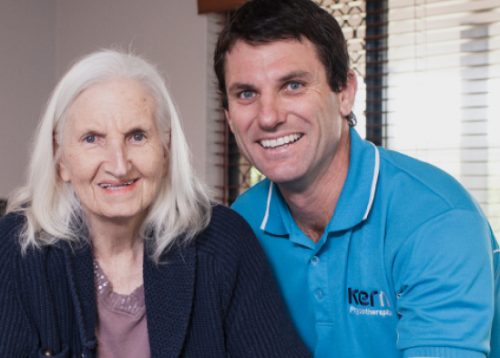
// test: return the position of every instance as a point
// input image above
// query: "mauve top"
(121, 328)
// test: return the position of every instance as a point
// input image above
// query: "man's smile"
(280, 141)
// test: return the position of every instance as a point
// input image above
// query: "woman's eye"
(89, 138)
(138, 136)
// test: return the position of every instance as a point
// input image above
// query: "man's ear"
(228, 119)
(348, 94)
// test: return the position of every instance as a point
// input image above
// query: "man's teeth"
(273, 143)
(116, 186)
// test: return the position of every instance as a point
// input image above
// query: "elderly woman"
(113, 247)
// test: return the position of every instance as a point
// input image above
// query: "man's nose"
(270, 112)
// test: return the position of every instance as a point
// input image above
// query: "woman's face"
(111, 152)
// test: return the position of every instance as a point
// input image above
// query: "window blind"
(441, 99)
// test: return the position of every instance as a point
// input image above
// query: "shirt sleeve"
(444, 277)
(15, 335)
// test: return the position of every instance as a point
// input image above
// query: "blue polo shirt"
(405, 268)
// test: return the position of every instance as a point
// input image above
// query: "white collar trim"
(268, 206)
(376, 169)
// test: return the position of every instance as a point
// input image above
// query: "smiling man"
(377, 254)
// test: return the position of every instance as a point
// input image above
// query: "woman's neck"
(119, 250)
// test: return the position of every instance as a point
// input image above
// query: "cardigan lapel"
(169, 290)
(80, 271)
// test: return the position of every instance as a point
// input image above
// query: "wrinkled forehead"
(122, 97)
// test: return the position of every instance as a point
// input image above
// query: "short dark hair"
(263, 21)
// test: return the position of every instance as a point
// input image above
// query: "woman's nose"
(118, 162)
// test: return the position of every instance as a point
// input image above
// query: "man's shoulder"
(416, 178)
(253, 200)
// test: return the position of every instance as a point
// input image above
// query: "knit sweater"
(214, 297)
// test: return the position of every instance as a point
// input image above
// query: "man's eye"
(246, 94)
(90, 138)
(293, 86)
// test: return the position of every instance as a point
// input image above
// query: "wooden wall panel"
(205, 6)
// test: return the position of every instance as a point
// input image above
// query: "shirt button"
(319, 294)
(315, 260)
(47, 353)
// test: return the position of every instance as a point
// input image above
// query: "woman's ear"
(61, 169)
(166, 153)
(348, 94)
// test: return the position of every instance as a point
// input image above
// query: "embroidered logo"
(368, 303)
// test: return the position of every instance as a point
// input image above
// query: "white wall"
(167, 32)
(26, 77)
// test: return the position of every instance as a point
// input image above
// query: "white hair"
(53, 213)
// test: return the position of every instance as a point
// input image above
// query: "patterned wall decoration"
(351, 15)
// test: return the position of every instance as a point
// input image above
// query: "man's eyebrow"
(295, 75)
(238, 86)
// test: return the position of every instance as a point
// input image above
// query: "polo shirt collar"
(355, 201)
(273, 221)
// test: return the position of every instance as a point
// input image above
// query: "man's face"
(285, 117)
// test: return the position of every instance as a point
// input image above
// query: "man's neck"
(313, 207)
